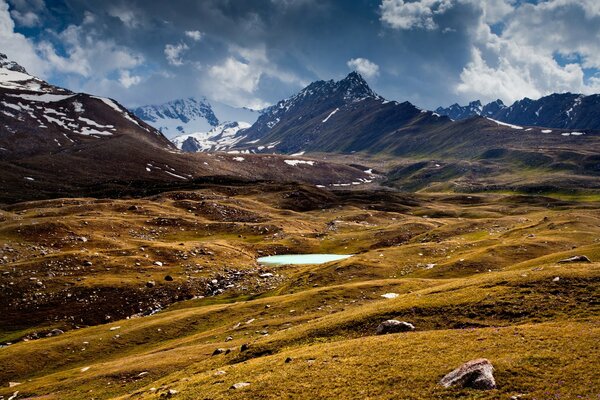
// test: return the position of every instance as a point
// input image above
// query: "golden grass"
(491, 293)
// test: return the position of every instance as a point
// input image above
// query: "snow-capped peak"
(221, 137)
(179, 116)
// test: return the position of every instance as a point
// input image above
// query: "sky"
(252, 53)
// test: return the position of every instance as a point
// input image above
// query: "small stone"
(239, 385)
(13, 384)
(228, 338)
(55, 332)
(475, 374)
(87, 263)
(150, 284)
(168, 278)
(220, 373)
(390, 295)
(556, 279)
(288, 360)
(218, 351)
(244, 347)
(158, 263)
(575, 259)
(394, 326)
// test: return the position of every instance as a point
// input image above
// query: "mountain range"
(562, 111)
(57, 143)
(192, 115)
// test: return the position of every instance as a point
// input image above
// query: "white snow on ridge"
(505, 124)
(546, 130)
(297, 162)
(219, 138)
(330, 115)
(572, 134)
(123, 111)
(43, 98)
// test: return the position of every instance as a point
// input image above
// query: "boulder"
(475, 374)
(394, 326)
(239, 385)
(55, 332)
(575, 259)
(168, 278)
(218, 351)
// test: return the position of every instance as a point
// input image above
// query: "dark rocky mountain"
(561, 111)
(56, 143)
(328, 116)
(474, 108)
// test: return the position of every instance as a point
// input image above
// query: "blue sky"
(255, 52)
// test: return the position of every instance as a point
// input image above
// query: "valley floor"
(147, 290)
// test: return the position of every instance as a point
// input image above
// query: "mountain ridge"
(557, 110)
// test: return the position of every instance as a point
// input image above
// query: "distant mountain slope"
(474, 108)
(562, 111)
(221, 137)
(343, 116)
(179, 116)
(56, 143)
(192, 115)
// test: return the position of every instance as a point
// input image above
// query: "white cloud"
(17, 47)
(127, 16)
(28, 19)
(88, 55)
(128, 80)
(364, 67)
(520, 61)
(173, 53)
(401, 14)
(194, 35)
(236, 80)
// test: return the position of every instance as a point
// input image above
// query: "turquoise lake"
(302, 258)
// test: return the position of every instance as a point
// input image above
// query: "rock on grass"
(475, 374)
(394, 326)
(239, 385)
(575, 259)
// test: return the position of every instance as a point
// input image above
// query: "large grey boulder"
(394, 326)
(475, 374)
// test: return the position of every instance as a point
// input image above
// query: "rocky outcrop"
(475, 374)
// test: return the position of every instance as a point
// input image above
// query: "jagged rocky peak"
(355, 87)
(352, 88)
(10, 65)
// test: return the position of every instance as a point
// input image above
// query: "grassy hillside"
(478, 276)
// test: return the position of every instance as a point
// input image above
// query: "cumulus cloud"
(364, 67)
(403, 14)
(236, 80)
(27, 12)
(194, 35)
(87, 54)
(520, 61)
(128, 16)
(173, 53)
(128, 80)
(17, 47)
